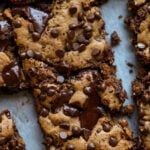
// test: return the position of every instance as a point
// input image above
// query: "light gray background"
(21, 104)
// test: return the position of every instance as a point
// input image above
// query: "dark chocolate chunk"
(91, 17)
(90, 108)
(37, 17)
(11, 74)
(61, 99)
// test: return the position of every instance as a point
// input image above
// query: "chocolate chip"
(113, 141)
(62, 67)
(97, 15)
(64, 125)
(88, 35)
(88, 28)
(44, 112)
(72, 10)
(91, 146)
(51, 92)
(63, 135)
(8, 114)
(98, 130)
(48, 141)
(81, 39)
(86, 134)
(87, 90)
(42, 97)
(54, 33)
(60, 79)
(81, 16)
(75, 46)
(106, 126)
(35, 36)
(76, 130)
(141, 45)
(103, 87)
(70, 35)
(70, 111)
(73, 26)
(70, 147)
(23, 55)
(30, 53)
(60, 53)
(37, 55)
(81, 47)
(95, 52)
(91, 17)
(17, 24)
(68, 47)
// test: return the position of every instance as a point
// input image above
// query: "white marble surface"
(21, 104)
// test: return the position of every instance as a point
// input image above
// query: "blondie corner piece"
(141, 93)
(139, 24)
(9, 136)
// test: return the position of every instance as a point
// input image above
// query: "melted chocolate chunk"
(11, 74)
(36, 17)
(61, 99)
(90, 108)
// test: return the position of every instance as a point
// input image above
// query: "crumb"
(130, 64)
(115, 39)
(120, 17)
